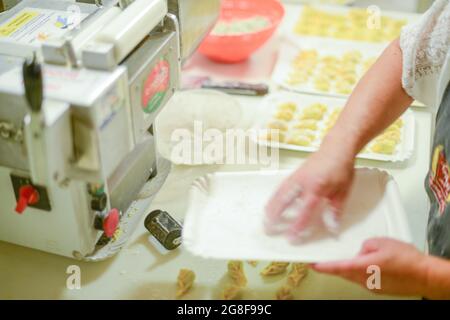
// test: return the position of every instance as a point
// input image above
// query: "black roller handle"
(32, 80)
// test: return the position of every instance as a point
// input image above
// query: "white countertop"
(141, 271)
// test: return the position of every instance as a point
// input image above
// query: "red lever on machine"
(111, 222)
(27, 195)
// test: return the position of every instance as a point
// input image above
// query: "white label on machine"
(35, 25)
(77, 86)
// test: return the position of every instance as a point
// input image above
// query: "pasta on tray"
(300, 122)
(323, 68)
(348, 24)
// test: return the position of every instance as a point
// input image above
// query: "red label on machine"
(155, 87)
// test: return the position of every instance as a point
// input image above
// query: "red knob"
(27, 195)
(111, 222)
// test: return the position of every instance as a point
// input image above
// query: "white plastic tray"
(225, 218)
(270, 103)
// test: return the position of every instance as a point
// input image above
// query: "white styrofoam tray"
(226, 211)
(269, 104)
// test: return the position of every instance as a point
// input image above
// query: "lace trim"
(425, 45)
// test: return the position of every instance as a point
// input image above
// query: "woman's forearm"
(437, 278)
(377, 101)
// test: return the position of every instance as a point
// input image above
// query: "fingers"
(331, 221)
(366, 257)
(337, 203)
(371, 245)
(281, 200)
(310, 207)
(350, 269)
(335, 207)
(336, 268)
(314, 194)
(355, 269)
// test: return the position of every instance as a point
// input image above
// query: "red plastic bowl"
(237, 48)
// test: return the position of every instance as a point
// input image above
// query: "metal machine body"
(80, 163)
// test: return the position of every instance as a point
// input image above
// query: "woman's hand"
(377, 101)
(403, 269)
(326, 176)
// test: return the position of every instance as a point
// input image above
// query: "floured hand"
(318, 189)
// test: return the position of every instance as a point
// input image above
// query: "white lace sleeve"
(425, 45)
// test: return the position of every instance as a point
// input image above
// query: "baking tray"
(326, 2)
(294, 15)
(291, 47)
(269, 104)
(225, 217)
